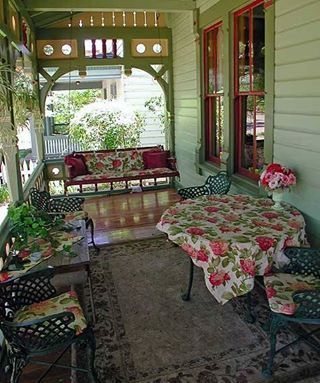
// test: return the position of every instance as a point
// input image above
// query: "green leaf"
(225, 262)
(227, 295)
(242, 239)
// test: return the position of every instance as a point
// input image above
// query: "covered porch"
(240, 83)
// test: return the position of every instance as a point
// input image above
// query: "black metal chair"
(217, 184)
(294, 297)
(36, 322)
(67, 208)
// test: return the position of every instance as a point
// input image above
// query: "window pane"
(258, 45)
(214, 125)
(214, 60)
(243, 52)
(252, 132)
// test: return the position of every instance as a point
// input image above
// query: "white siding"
(138, 88)
(297, 102)
(186, 96)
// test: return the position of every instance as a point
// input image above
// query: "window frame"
(208, 97)
(239, 94)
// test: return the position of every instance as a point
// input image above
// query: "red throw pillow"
(145, 155)
(78, 167)
(157, 159)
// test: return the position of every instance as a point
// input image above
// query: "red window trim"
(207, 112)
(238, 94)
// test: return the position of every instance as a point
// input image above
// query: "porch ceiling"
(112, 5)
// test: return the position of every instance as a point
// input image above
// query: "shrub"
(107, 125)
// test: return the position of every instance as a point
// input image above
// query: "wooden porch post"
(11, 158)
(39, 130)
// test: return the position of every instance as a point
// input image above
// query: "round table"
(233, 238)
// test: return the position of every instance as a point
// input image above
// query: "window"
(249, 56)
(213, 91)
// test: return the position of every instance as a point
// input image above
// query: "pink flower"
(189, 250)
(295, 212)
(211, 219)
(271, 292)
(195, 231)
(277, 227)
(173, 211)
(248, 266)
(268, 270)
(219, 247)
(211, 209)
(74, 310)
(294, 224)
(100, 165)
(289, 241)
(73, 294)
(4, 276)
(134, 155)
(265, 242)
(202, 256)
(270, 215)
(231, 217)
(116, 163)
(218, 278)
(288, 308)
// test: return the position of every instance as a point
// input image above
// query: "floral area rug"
(146, 333)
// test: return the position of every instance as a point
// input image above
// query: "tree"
(67, 104)
(107, 125)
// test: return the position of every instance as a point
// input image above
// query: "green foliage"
(4, 194)
(157, 107)
(28, 223)
(107, 125)
(67, 104)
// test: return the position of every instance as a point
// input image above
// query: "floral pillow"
(132, 159)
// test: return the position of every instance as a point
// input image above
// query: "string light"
(102, 19)
(113, 19)
(91, 21)
(124, 18)
(80, 24)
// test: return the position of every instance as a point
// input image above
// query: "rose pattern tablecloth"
(233, 238)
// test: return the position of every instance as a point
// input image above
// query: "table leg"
(91, 296)
(250, 314)
(186, 296)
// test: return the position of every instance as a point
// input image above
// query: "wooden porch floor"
(126, 217)
(117, 218)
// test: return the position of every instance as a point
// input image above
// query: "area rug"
(146, 333)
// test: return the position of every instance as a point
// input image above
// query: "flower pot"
(277, 197)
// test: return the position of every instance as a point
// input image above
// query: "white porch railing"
(26, 167)
(57, 146)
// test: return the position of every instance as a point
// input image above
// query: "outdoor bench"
(121, 165)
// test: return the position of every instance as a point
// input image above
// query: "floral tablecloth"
(233, 238)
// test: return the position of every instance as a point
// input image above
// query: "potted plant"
(28, 224)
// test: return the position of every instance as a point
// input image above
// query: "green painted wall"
(293, 75)
(297, 103)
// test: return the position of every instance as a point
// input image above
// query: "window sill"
(245, 184)
(209, 167)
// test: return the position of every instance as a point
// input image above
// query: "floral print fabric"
(280, 287)
(233, 238)
(67, 302)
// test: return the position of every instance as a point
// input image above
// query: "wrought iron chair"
(294, 296)
(67, 208)
(36, 322)
(217, 184)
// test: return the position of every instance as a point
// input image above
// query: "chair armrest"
(38, 335)
(309, 304)
(194, 192)
(33, 287)
(67, 204)
(172, 163)
(302, 260)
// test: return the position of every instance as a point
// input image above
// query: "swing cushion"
(281, 286)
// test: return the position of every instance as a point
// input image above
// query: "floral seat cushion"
(75, 215)
(280, 288)
(67, 302)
